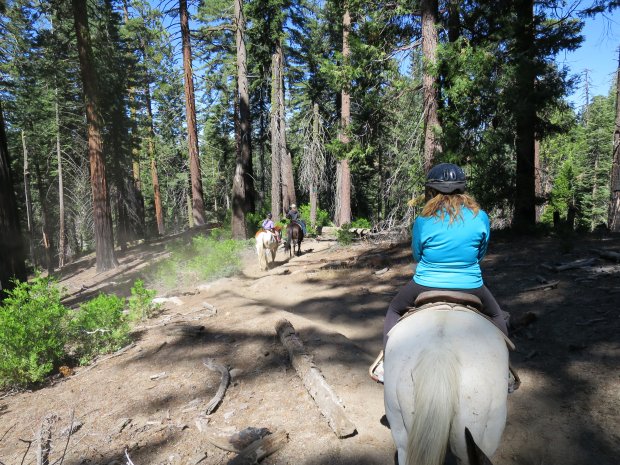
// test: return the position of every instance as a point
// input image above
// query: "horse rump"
(435, 378)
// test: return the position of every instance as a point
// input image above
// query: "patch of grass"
(203, 259)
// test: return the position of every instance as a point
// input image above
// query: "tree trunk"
(539, 188)
(198, 209)
(243, 188)
(276, 173)
(614, 203)
(104, 237)
(118, 128)
(343, 173)
(288, 181)
(432, 127)
(454, 20)
(525, 115)
(28, 201)
(137, 219)
(48, 243)
(159, 215)
(62, 236)
(313, 185)
(245, 118)
(12, 264)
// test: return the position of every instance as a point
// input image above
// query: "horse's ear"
(475, 455)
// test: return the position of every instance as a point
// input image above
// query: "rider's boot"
(376, 369)
(513, 379)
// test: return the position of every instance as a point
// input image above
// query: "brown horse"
(294, 234)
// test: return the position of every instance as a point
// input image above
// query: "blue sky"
(598, 54)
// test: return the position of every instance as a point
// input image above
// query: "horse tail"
(260, 250)
(435, 402)
(289, 234)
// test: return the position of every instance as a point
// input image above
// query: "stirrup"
(513, 379)
(376, 369)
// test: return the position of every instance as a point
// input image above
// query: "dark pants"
(409, 292)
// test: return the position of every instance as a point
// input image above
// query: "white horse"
(266, 242)
(446, 369)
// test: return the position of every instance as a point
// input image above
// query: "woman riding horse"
(449, 240)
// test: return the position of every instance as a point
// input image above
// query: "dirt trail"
(149, 400)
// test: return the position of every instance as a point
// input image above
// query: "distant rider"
(268, 225)
(293, 214)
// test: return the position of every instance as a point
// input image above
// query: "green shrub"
(141, 305)
(98, 327)
(322, 218)
(344, 236)
(360, 223)
(32, 323)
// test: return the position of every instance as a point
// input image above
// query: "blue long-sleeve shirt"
(449, 255)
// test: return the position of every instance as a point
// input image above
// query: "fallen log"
(260, 449)
(219, 395)
(324, 396)
(572, 265)
(608, 254)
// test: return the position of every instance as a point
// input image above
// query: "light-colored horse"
(266, 242)
(446, 369)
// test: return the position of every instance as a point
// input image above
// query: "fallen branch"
(260, 449)
(572, 265)
(7, 431)
(45, 439)
(219, 395)
(549, 285)
(326, 399)
(608, 254)
(25, 453)
(71, 430)
(589, 322)
(129, 462)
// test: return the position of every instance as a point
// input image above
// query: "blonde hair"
(449, 204)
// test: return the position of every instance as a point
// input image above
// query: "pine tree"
(101, 204)
(198, 210)
(613, 221)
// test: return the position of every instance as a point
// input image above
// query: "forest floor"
(150, 399)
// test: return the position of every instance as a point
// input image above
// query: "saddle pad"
(454, 297)
(459, 307)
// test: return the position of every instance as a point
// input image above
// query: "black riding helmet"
(446, 178)
(269, 215)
